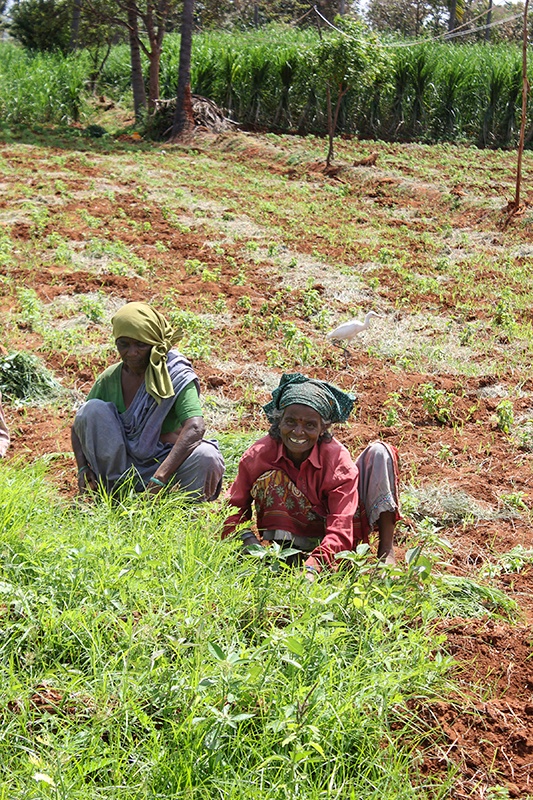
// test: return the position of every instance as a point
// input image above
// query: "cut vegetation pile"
(141, 657)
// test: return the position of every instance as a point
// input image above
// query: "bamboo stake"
(525, 91)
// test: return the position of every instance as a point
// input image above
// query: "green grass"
(141, 657)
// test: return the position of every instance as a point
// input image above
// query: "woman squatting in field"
(305, 489)
(142, 423)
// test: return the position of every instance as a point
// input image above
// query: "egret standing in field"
(349, 330)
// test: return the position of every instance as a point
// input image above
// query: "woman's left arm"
(186, 440)
(342, 500)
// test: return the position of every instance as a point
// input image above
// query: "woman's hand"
(155, 485)
(87, 480)
(312, 569)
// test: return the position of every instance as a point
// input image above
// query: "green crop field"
(143, 657)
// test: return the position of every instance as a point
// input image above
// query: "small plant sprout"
(392, 407)
(514, 501)
(93, 306)
(245, 303)
(505, 415)
(445, 454)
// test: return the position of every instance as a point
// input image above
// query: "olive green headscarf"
(142, 322)
(327, 399)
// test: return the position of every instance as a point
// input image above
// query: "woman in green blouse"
(142, 420)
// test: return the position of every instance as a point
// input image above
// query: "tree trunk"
(137, 81)
(452, 22)
(75, 24)
(256, 15)
(183, 119)
(342, 8)
(153, 80)
(333, 119)
(489, 18)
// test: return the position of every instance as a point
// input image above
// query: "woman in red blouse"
(303, 485)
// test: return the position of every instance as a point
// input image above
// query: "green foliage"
(277, 76)
(508, 563)
(505, 415)
(393, 405)
(353, 56)
(41, 25)
(121, 260)
(45, 87)
(157, 662)
(194, 331)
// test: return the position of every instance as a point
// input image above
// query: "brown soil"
(487, 732)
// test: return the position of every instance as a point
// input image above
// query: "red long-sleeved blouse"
(328, 478)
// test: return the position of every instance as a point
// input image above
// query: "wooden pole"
(525, 92)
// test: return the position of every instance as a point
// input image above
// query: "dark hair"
(276, 416)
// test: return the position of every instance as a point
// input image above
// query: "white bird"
(349, 330)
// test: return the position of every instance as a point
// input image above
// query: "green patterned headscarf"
(325, 398)
(142, 322)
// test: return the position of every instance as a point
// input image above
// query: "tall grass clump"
(40, 88)
(141, 657)
(430, 92)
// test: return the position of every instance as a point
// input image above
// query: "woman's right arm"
(86, 477)
(240, 497)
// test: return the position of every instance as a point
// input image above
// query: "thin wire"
(331, 25)
(442, 36)
(451, 34)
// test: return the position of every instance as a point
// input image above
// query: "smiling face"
(135, 355)
(300, 428)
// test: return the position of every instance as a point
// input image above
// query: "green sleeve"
(187, 405)
(108, 387)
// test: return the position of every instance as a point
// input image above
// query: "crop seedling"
(393, 406)
(239, 279)
(505, 415)
(211, 275)
(93, 307)
(515, 501)
(503, 315)
(194, 267)
(244, 302)
(437, 402)
(31, 307)
(311, 303)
